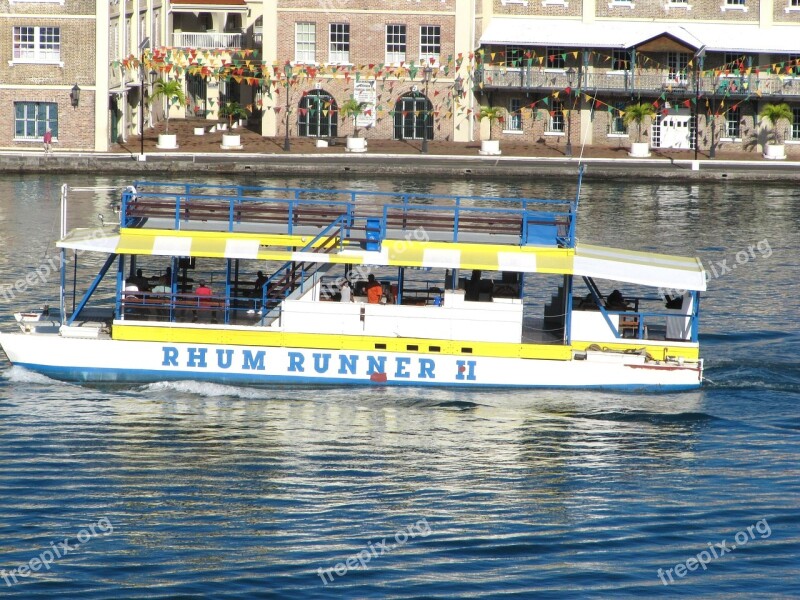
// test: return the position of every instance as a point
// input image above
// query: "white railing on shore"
(207, 40)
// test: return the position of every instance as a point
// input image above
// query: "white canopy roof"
(644, 268)
(656, 270)
(567, 33)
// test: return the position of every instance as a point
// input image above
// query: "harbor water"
(194, 490)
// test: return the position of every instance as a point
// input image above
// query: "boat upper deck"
(364, 217)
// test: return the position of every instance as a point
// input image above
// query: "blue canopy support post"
(109, 261)
(695, 296)
(568, 309)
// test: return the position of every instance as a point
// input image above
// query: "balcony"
(640, 81)
(207, 39)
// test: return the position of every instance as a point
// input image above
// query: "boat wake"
(16, 374)
(207, 390)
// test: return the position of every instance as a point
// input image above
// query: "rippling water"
(197, 490)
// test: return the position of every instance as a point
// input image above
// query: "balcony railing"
(638, 81)
(207, 39)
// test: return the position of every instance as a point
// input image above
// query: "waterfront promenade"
(395, 157)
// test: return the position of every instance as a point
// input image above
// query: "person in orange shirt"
(374, 290)
(204, 293)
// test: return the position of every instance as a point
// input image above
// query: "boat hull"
(107, 360)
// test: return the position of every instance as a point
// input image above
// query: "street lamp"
(287, 69)
(426, 78)
(698, 58)
(75, 96)
(568, 149)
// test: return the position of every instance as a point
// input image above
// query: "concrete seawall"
(381, 165)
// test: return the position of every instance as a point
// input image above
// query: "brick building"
(563, 71)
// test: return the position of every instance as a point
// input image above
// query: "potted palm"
(233, 111)
(638, 113)
(172, 91)
(490, 147)
(352, 109)
(773, 114)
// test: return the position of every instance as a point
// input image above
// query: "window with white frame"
(37, 44)
(616, 120)
(514, 121)
(395, 44)
(795, 125)
(793, 5)
(733, 120)
(514, 56)
(430, 44)
(735, 60)
(555, 124)
(734, 5)
(678, 64)
(620, 60)
(305, 43)
(115, 42)
(33, 119)
(156, 31)
(556, 57)
(339, 51)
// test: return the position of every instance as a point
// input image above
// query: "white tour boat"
(467, 291)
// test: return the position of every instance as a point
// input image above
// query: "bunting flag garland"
(246, 67)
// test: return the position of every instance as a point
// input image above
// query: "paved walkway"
(254, 143)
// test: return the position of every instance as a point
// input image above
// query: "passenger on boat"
(345, 292)
(130, 286)
(374, 290)
(140, 281)
(258, 286)
(204, 293)
(473, 287)
(616, 301)
(166, 278)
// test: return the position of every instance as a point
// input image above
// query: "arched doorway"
(318, 115)
(413, 117)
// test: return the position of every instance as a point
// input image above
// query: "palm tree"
(492, 113)
(637, 113)
(172, 90)
(774, 114)
(232, 110)
(352, 109)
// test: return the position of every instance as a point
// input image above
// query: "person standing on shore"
(47, 140)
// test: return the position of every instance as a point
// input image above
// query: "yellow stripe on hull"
(240, 337)
(660, 351)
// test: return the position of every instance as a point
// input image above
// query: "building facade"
(564, 72)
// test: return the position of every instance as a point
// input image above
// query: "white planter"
(231, 141)
(639, 149)
(774, 151)
(355, 144)
(199, 130)
(490, 148)
(167, 141)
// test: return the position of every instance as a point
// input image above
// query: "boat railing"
(531, 220)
